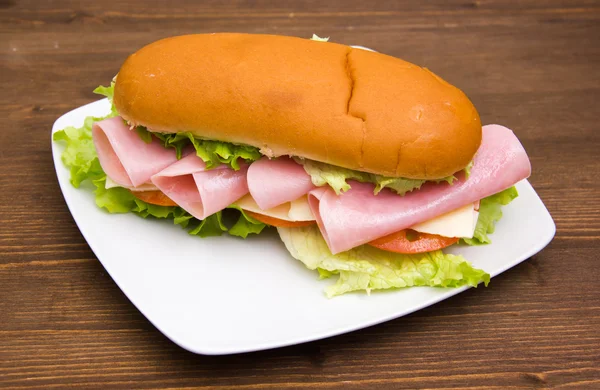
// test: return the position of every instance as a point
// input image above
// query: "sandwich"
(367, 166)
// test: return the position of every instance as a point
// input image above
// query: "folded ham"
(357, 216)
(346, 221)
(273, 182)
(199, 191)
(125, 157)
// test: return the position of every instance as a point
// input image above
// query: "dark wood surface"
(531, 65)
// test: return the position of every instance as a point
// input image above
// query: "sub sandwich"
(367, 165)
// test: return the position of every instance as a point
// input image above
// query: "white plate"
(225, 295)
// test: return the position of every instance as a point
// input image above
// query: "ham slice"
(357, 216)
(198, 191)
(125, 157)
(277, 181)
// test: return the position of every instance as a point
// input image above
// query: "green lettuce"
(245, 224)
(368, 268)
(490, 212)
(109, 93)
(213, 153)
(315, 37)
(79, 154)
(209, 226)
(337, 178)
(397, 184)
(81, 159)
(467, 170)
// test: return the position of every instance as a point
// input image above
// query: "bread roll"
(290, 96)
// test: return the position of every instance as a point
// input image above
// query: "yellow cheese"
(144, 187)
(297, 210)
(458, 223)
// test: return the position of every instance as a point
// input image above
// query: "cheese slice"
(144, 187)
(458, 223)
(297, 210)
(300, 210)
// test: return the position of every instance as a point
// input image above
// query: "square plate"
(225, 295)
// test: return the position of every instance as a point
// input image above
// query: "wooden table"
(530, 65)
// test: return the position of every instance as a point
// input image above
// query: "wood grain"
(531, 65)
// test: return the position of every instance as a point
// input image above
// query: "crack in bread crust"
(398, 160)
(348, 108)
(351, 79)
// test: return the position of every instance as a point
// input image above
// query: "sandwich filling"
(373, 232)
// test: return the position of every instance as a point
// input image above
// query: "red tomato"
(410, 241)
(278, 222)
(154, 197)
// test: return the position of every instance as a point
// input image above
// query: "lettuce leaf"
(213, 153)
(490, 212)
(115, 200)
(245, 224)
(315, 37)
(209, 226)
(79, 155)
(109, 93)
(368, 268)
(399, 185)
(467, 170)
(81, 159)
(337, 178)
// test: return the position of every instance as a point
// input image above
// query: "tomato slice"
(409, 241)
(154, 197)
(278, 222)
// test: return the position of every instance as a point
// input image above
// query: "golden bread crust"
(290, 96)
